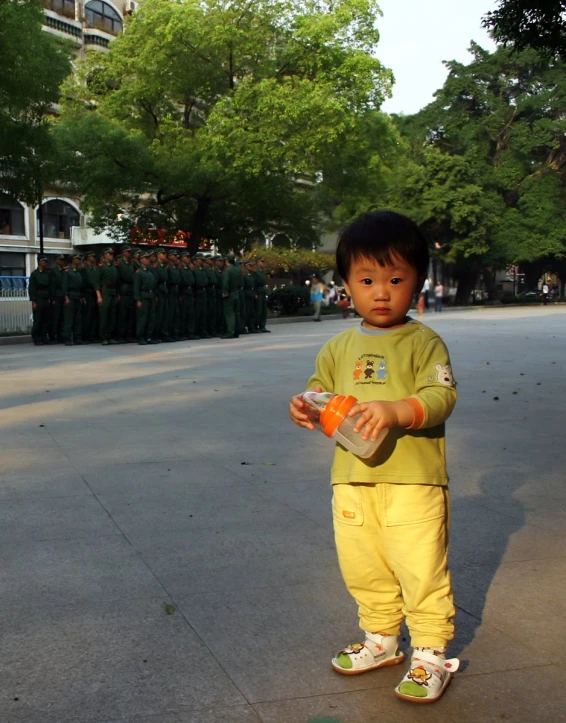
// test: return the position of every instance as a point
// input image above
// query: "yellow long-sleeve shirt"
(411, 363)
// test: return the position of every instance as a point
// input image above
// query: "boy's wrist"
(404, 412)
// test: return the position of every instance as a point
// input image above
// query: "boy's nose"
(381, 292)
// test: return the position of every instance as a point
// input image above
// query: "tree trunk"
(199, 223)
(466, 283)
(533, 270)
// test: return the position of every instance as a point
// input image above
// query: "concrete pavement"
(166, 551)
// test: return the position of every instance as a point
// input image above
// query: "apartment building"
(88, 24)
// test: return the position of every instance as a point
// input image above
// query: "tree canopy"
(536, 24)
(34, 65)
(217, 117)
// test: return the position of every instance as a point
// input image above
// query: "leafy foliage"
(536, 24)
(33, 66)
(484, 174)
(282, 262)
(216, 117)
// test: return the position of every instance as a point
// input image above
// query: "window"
(11, 217)
(12, 264)
(102, 16)
(62, 7)
(58, 217)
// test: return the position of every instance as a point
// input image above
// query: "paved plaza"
(166, 548)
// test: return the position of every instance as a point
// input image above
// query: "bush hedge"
(288, 300)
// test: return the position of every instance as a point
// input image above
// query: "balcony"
(96, 38)
(66, 8)
(65, 28)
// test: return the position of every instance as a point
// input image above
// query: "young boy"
(391, 512)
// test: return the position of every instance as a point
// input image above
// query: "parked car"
(536, 293)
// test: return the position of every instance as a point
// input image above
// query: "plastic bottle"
(331, 411)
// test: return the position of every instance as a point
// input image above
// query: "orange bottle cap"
(335, 412)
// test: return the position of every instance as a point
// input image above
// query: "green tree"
(536, 24)
(486, 162)
(215, 117)
(34, 65)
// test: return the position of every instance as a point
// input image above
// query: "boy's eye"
(367, 282)
(396, 281)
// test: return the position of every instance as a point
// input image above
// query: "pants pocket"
(347, 505)
(411, 504)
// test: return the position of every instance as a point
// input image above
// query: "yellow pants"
(392, 542)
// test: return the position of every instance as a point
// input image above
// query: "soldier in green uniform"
(201, 297)
(218, 268)
(73, 309)
(161, 296)
(144, 296)
(174, 298)
(57, 298)
(261, 303)
(250, 298)
(126, 309)
(39, 283)
(211, 296)
(106, 291)
(242, 324)
(231, 282)
(136, 258)
(89, 272)
(187, 290)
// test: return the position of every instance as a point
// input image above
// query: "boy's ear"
(347, 287)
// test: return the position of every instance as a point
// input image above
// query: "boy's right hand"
(296, 407)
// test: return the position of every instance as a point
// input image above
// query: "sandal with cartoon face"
(369, 655)
(427, 678)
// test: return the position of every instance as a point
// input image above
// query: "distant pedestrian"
(438, 296)
(344, 305)
(545, 291)
(424, 292)
(317, 295)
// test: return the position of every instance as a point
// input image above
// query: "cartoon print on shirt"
(370, 369)
(444, 375)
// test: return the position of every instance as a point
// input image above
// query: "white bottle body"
(354, 442)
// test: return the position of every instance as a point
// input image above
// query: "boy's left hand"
(375, 416)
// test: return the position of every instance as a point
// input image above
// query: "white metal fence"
(15, 306)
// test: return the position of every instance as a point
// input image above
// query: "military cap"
(172, 252)
(136, 250)
(199, 255)
(230, 257)
(160, 250)
(90, 253)
(260, 259)
(126, 247)
(219, 257)
(185, 254)
(61, 257)
(42, 257)
(248, 263)
(145, 254)
(77, 256)
(108, 251)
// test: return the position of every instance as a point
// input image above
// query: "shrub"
(288, 300)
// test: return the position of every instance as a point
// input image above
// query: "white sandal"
(377, 651)
(427, 678)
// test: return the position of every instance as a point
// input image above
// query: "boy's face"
(382, 295)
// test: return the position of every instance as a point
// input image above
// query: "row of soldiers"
(146, 296)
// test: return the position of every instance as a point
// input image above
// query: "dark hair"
(381, 235)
